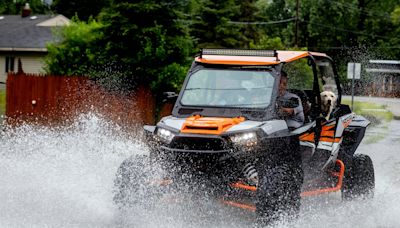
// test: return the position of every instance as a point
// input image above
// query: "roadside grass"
(379, 117)
(376, 113)
(2, 102)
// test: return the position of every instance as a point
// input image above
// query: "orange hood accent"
(209, 125)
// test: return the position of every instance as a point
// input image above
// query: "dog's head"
(328, 99)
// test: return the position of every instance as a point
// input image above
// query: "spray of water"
(63, 177)
(53, 177)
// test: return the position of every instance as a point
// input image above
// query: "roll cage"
(260, 60)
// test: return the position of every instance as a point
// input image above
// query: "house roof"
(282, 56)
(30, 33)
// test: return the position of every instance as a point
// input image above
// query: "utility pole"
(296, 31)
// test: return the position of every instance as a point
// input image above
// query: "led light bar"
(239, 52)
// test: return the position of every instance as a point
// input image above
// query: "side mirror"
(170, 96)
(292, 102)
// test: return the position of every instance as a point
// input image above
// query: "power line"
(261, 22)
(246, 22)
(366, 10)
(352, 47)
(362, 11)
(302, 20)
(345, 30)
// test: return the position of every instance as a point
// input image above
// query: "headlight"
(165, 135)
(248, 139)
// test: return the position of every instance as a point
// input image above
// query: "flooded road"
(64, 177)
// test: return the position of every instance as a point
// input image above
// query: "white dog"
(328, 100)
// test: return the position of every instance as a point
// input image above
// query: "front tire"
(278, 194)
(131, 182)
(359, 179)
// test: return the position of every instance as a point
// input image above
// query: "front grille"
(195, 143)
(205, 163)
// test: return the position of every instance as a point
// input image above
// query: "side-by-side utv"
(227, 136)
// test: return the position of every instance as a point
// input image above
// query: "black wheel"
(359, 178)
(133, 182)
(278, 194)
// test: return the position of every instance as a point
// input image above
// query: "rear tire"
(278, 194)
(359, 179)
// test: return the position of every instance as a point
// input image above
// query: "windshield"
(229, 88)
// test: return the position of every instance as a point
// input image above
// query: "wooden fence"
(55, 99)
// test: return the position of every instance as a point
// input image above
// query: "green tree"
(7, 7)
(249, 12)
(268, 43)
(13, 7)
(324, 24)
(83, 9)
(280, 11)
(124, 48)
(155, 50)
(211, 26)
(153, 40)
(391, 47)
(77, 52)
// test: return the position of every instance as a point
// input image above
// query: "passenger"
(294, 116)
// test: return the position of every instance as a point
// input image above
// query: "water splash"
(63, 177)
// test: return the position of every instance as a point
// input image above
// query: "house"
(382, 78)
(25, 37)
(378, 77)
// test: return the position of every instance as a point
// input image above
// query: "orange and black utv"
(227, 138)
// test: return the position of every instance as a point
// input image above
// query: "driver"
(294, 116)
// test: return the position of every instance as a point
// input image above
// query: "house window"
(9, 64)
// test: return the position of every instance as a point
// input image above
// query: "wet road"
(63, 178)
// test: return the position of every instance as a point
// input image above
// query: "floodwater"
(64, 177)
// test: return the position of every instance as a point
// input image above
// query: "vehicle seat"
(304, 102)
